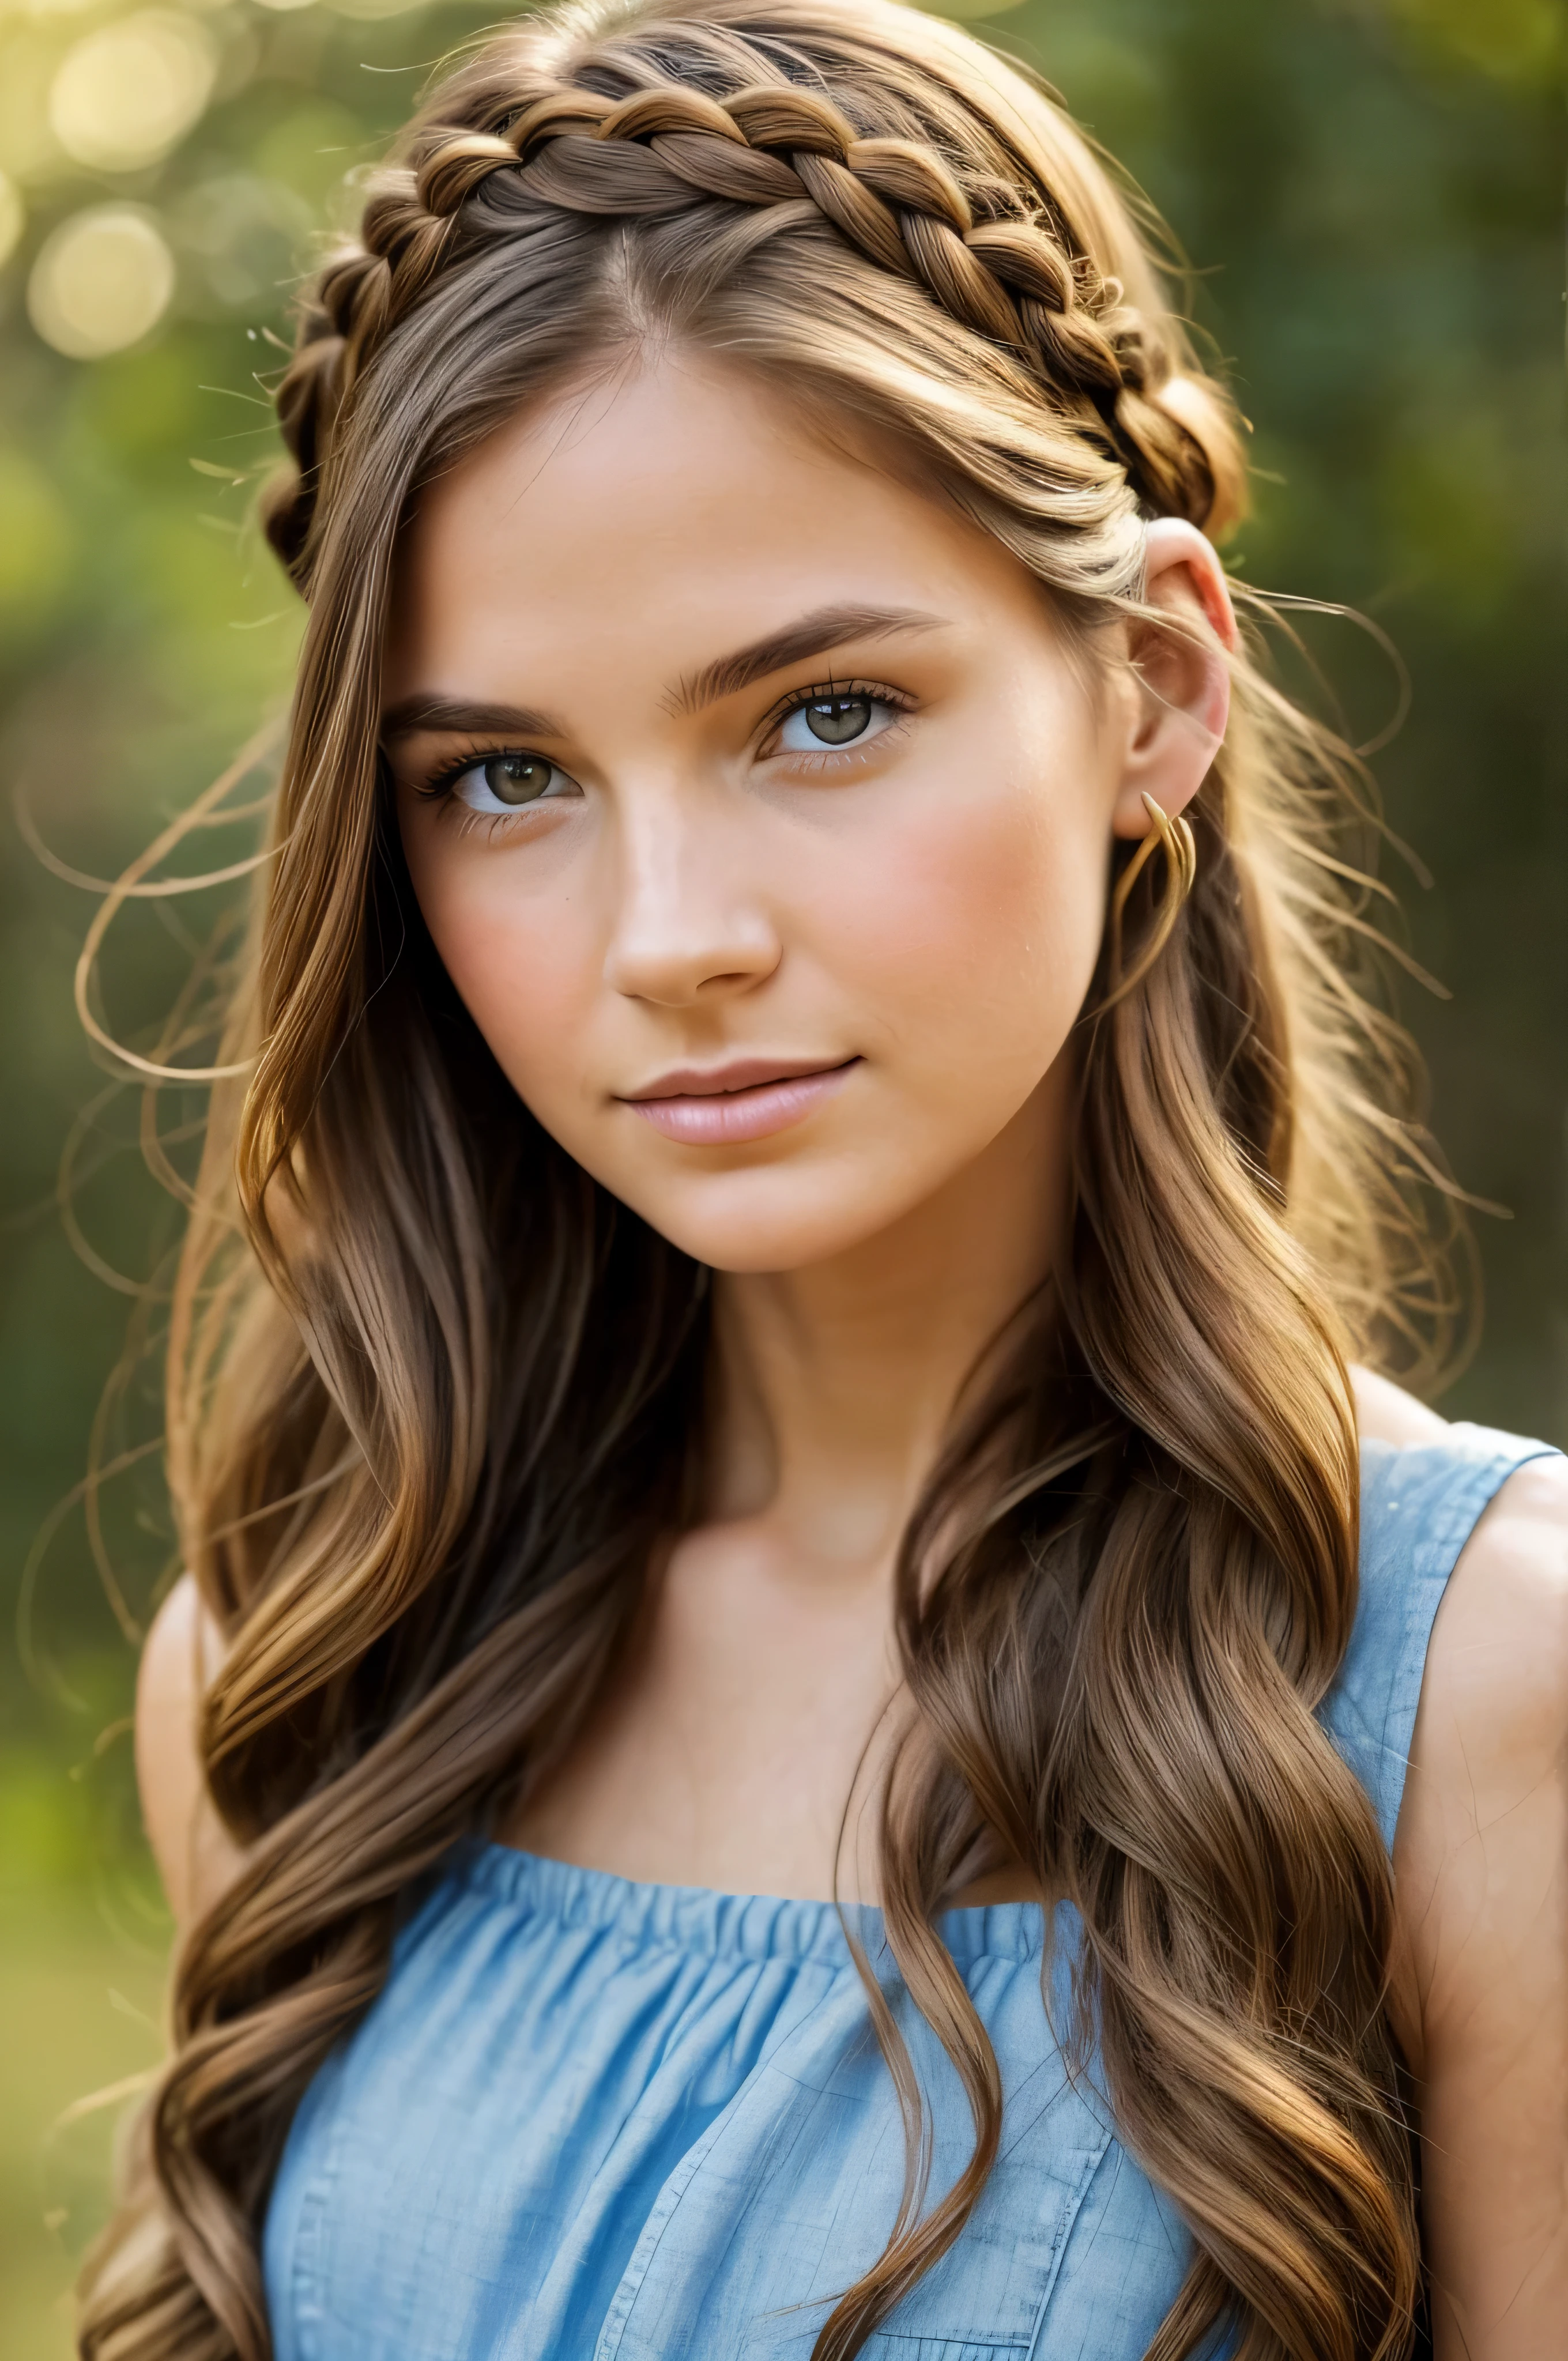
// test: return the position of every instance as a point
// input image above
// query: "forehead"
(671, 509)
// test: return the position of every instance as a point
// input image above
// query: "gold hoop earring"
(1180, 871)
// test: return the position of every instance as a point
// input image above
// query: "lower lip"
(724, 1118)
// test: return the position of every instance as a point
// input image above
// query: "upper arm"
(1481, 1877)
(194, 1854)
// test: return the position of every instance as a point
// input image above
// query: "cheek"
(974, 930)
(520, 946)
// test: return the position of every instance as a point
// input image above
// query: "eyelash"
(441, 782)
(438, 787)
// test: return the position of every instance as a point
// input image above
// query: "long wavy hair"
(435, 1401)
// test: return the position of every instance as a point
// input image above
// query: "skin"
(916, 912)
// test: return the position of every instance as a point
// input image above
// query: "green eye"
(837, 720)
(835, 717)
(516, 778)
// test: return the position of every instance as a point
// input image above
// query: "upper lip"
(740, 1074)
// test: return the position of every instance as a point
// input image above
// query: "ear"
(1179, 715)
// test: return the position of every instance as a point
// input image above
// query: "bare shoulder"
(182, 1651)
(1385, 1413)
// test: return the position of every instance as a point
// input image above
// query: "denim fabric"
(588, 2120)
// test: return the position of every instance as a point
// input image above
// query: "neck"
(836, 1384)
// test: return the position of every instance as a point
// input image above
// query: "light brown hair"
(435, 1400)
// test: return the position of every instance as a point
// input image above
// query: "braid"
(336, 320)
(1010, 277)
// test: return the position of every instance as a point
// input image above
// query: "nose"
(689, 923)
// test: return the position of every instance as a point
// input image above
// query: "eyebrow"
(454, 717)
(816, 635)
(813, 635)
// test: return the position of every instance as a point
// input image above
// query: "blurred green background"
(1369, 191)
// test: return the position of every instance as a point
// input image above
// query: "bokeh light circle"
(128, 92)
(101, 281)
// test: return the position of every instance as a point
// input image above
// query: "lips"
(751, 1098)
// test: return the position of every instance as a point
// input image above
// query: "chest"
(559, 2140)
(742, 1731)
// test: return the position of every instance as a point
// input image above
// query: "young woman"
(803, 1655)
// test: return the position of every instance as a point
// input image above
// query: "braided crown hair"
(733, 118)
(427, 1433)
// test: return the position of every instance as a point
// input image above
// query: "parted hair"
(436, 1402)
(987, 245)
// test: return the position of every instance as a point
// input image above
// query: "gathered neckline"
(704, 1920)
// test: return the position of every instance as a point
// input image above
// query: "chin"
(757, 1222)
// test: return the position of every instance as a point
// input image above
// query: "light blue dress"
(588, 2120)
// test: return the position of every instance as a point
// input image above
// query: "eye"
(849, 719)
(503, 783)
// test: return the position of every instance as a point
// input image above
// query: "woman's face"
(755, 806)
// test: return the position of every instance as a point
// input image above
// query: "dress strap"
(1418, 1507)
